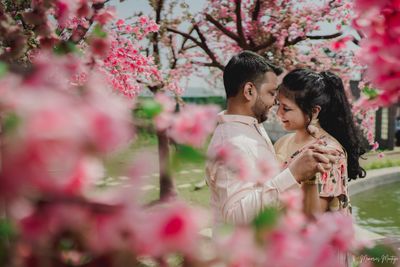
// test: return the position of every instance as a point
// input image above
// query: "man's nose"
(279, 112)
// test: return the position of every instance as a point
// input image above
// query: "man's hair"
(245, 67)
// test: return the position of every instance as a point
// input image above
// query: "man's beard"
(260, 110)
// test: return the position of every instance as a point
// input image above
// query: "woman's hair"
(309, 89)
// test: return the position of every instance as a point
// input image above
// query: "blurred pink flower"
(232, 158)
(292, 200)
(239, 248)
(171, 227)
(59, 127)
(380, 23)
(193, 124)
(105, 15)
(341, 43)
(63, 9)
(100, 46)
(375, 146)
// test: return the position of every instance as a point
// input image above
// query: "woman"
(314, 106)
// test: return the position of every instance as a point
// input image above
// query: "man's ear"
(315, 112)
(248, 91)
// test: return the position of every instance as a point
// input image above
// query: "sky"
(128, 7)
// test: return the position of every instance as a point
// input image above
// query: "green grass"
(382, 163)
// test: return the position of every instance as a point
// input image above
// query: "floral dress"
(333, 184)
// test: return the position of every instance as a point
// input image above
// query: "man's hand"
(328, 153)
(314, 159)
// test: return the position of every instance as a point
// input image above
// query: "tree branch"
(254, 17)
(356, 41)
(239, 26)
(207, 49)
(256, 11)
(312, 37)
(222, 28)
(202, 43)
(324, 37)
(175, 59)
(155, 37)
(189, 47)
(194, 40)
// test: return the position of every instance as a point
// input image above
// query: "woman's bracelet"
(311, 181)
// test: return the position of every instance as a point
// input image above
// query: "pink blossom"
(124, 64)
(341, 43)
(83, 10)
(380, 23)
(62, 11)
(292, 200)
(120, 22)
(375, 146)
(232, 158)
(173, 227)
(100, 46)
(266, 168)
(143, 20)
(339, 228)
(193, 124)
(286, 249)
(57, 123)
(105, 15)
(238, 248)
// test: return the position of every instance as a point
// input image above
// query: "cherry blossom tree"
(274, 29)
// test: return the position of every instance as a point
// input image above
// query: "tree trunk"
(167, 186)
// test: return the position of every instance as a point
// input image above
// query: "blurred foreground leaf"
(151, 108)
(186, 154)
(266, 220)
(3, 69)
(371, 93)
(10, 122)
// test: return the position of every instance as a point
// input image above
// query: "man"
(251, 87)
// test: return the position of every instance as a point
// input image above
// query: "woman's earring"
(312, 128)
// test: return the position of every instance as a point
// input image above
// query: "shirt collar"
(223, 117)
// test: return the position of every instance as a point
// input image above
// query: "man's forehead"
(271, 77)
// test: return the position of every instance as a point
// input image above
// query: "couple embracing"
(319, 157)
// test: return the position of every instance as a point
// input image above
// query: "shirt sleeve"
(243, 205)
